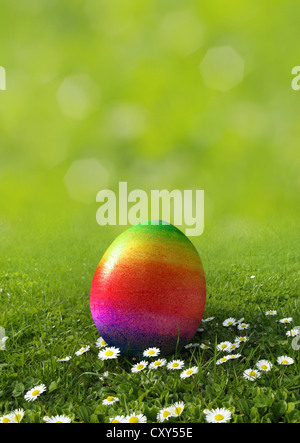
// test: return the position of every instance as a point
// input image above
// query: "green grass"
(45, 311)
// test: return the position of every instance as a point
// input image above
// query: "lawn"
(45, 283)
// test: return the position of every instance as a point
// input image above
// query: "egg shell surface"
(149, 290)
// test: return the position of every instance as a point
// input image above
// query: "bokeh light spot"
(78, 96)
(222, 68)
(126, 120)
(84, 179)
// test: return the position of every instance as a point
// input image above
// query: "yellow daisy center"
(205, 347)
(286, 321)
(18, 417)
(133, 420)
(166, 414)
(58, 422)
(285, 362)
(189, 372)
(177, 410)
(110, 398)
(229, 323)
(223, 346)
(252, 373)
(115, 421)
(151, 352)
(219, 417)
(103, 342)
(264, 367)
(175, 365)
(223, 359)
(35, 392)
(109, 353)
(140, 367)
(157, 363)
(6, 420)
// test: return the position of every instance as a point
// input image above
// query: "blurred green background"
(163, 94)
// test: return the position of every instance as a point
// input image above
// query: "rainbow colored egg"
(149, 290)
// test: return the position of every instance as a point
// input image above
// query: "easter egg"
(149, 290)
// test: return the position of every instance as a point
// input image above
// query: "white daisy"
(264, 365)
(240, 339)
(271, 312)
(234, 356)
(57, 419)
(117, 419)
(135, 418)
(110, 400)
(68, 358)
(285, 360)
(100, 343)
(164, 414)
(17, 415)
(82, 350)
(224, 346)
(35, 392)
(243, 326)
(286, 320)
(229, 322)
(157, 363)
(222, 360)
(175, 364)
(234, 346)
(205, 320)
(189, 372)
(139, 366)
(177, 408)
(151, 352)
(6, 419)
(204, 346)
(109, 353)
(251, 374)
(293, 332)
(219, 415)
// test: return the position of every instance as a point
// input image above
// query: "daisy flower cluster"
(151, 367)
(175, 410)
(262, 365)
(131, 418)
(32, 395)
(15, 416)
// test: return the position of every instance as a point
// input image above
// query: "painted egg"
(149, 290)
